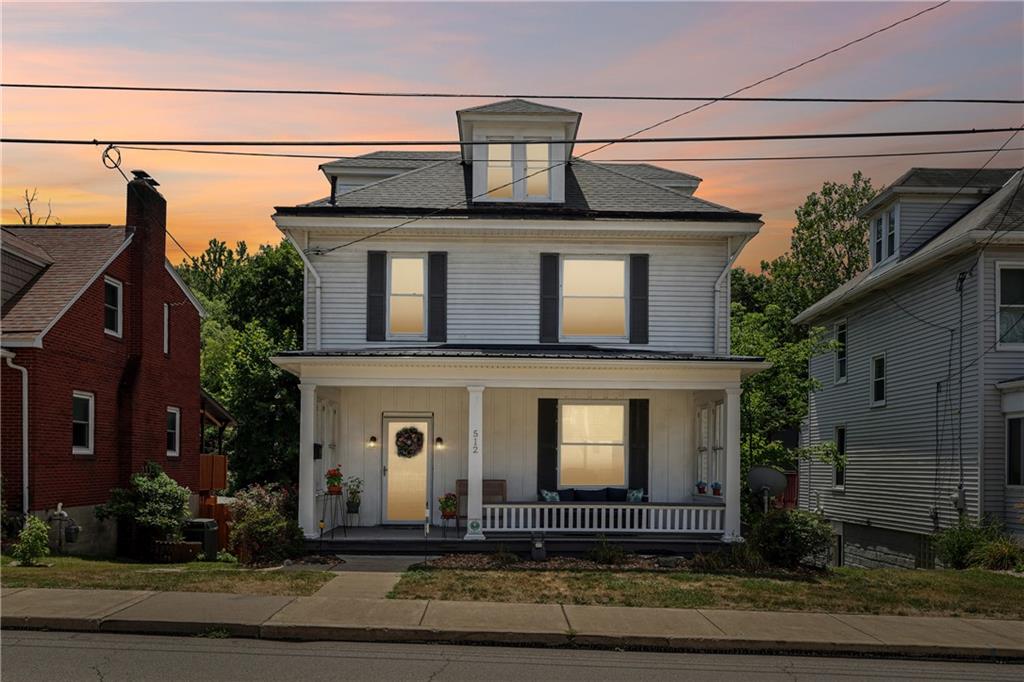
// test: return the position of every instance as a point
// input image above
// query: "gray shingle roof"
(656, 174)
(992, 178)
(77, 254)
(516, 106)
(591, 190)
(561, 351)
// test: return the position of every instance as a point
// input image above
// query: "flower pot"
(717, 491)
(702, 490)
(352, 507)
(334, 490)
(447, 514)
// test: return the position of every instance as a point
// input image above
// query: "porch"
(583, 448)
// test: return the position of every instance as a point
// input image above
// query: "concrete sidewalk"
(392, 620)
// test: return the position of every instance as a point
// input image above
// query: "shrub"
(1000, 554)
(154, 502)
(263, 532)
(788, 537)
(33, 542)
(955, 544)
(226, 557)
(606, 553)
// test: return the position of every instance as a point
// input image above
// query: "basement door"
(406, 471)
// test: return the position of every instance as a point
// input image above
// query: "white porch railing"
(602, 517)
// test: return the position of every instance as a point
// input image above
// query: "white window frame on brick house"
(1000, 266)
(176, 411)
(118, 310)
(842, 357)
(91, 447)
(874, 378)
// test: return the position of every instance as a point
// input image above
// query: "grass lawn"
(845, 590)
(77, 573)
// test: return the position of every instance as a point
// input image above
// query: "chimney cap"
(145, 177)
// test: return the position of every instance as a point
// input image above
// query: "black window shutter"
(437, 296)
(638, 297)
(376, 292)
(549, 298)
(639, 418)
(547, 444)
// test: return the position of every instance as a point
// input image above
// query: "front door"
(407, 449)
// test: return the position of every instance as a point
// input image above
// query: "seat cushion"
(600, 495)
(615, 494)
(567, 494)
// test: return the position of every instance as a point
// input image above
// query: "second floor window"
(878, 380)
(841, 351)
(593, 297)
(1011, 305)
(407, 301)
(112, 306)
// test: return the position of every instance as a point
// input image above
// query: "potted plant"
(702, 487)
(449, 505)
(333, 477)
(355, 490)
(716, 488)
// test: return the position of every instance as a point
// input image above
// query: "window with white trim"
(594, 297)
(167, 328)
(878, 240)
(878, 376)
(841, 351)
(885, 234)
(517, 171)
(1015, 450)
(839, 470)
(592, 444)
(173, 431)
(83, 422)
(890, 232)
(1010, 292)
(407, 300)
(113, 306)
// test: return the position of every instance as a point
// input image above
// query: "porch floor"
(401, 540)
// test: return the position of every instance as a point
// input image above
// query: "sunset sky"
(964, 49)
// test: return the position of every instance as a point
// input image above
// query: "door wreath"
(408, 441)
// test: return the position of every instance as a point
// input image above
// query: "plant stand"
(444, 525)
(334, 510)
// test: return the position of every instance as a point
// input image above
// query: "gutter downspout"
(316, 283)
(9, 356)
(732, 256)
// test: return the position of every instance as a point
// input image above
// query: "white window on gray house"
(890, 232)
(407, 301)
(841, 351)
(594, 298)
(592, 444)
(113, 309)
(839, 470)
(517, 171)
(883, 235)
(877, 230)
(173, 431)
(1015, 451)
(83, 422)
(878, 380)
(1010, 286)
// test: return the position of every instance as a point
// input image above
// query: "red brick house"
(100, 343)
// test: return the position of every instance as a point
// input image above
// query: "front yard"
(197, 576)
(845, 590)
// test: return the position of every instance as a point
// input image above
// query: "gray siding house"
(544, 336)
(926, 393)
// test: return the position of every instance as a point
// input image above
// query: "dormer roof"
(964, 182)
(516, 106)
(517, 112)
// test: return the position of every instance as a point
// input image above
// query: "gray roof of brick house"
(77, 253)
(591, 190)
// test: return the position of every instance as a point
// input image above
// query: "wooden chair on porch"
(495, 491)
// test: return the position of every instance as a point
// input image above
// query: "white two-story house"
(546, 336)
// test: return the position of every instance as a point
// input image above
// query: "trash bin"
(205, 532)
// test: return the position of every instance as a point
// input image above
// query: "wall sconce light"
(439, 443)
(373, 441)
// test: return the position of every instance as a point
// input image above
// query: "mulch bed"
(490, 562)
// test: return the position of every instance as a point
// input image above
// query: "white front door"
(406, 472)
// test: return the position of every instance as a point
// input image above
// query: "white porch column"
(474, 513)
(733, 484)
(307, 487)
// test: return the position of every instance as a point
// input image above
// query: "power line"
(604, 141)
(808, 157)
(491, 95)
(652, 126)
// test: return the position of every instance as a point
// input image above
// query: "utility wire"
(491, 95)
(421, 159)
(603, 141)
(650, 127)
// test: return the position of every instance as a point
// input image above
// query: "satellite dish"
(767, 481)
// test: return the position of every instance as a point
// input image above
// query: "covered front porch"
(643, 448)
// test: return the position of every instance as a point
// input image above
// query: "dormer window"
(884, 234)
(518, 170)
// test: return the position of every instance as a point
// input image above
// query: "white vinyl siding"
(113, 306)
(83, 423)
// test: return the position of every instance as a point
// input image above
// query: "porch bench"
(604, 517)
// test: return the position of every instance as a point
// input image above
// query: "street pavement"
(48, 656)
